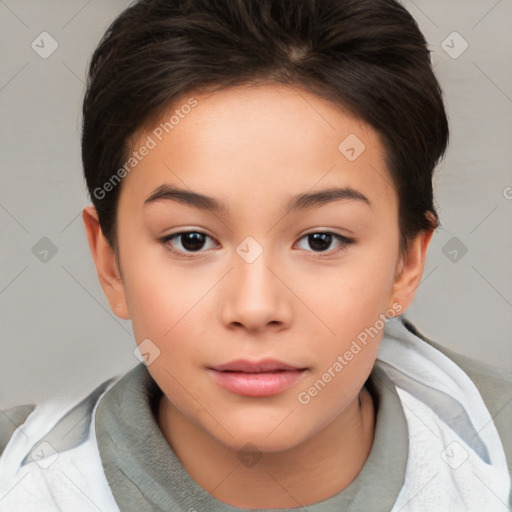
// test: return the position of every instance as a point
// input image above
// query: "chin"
(260, 443)
(262, 436)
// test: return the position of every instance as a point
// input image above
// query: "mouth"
(258, 379)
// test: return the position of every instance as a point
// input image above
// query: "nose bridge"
(252, 277)
(255, 297)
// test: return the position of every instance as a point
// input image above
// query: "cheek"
(352, 306)
(335, 383)
(166, 308)
(344, 359)
(352, 296)
(163, 298)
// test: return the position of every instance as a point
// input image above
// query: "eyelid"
(345, 241)
(167, 238)
(342, 239)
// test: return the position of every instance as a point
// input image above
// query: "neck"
(315, 470)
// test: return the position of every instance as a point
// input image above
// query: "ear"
(410, 271)
(106, 263)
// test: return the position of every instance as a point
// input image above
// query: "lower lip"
(256, 384)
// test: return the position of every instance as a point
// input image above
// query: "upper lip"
(264, 366)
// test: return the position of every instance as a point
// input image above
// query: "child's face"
(256, 288)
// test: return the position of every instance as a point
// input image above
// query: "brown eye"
(321, 241)
(186, 241)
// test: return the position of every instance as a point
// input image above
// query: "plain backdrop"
(57, 331)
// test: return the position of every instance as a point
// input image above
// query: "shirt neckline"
(143, 471)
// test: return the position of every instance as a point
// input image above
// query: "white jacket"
(456, 459)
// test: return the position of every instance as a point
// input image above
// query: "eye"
(186, 242)
(320, 241)
(189, 242)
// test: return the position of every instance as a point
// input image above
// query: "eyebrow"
(298, 202)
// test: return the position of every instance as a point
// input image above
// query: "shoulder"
(64, 419)
(10, 420)
(493, 383)
(42, 442)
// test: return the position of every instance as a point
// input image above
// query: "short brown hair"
(368, 56)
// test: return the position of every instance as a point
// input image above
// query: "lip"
(256, 378)
(263, 366)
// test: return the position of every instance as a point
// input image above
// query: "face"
(262, 305)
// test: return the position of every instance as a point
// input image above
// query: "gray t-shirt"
(144, 474)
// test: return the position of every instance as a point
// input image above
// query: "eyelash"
(345, 241)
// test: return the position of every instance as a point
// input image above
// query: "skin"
(252, 148)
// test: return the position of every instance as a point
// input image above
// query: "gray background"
(57, 332)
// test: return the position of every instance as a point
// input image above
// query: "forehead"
(268, 140)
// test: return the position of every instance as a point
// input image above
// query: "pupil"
(317, 241)
(192, 241)
(320, 241)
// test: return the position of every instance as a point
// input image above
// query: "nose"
(256, 296)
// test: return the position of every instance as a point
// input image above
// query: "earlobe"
(106, 264)
(410, 270)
